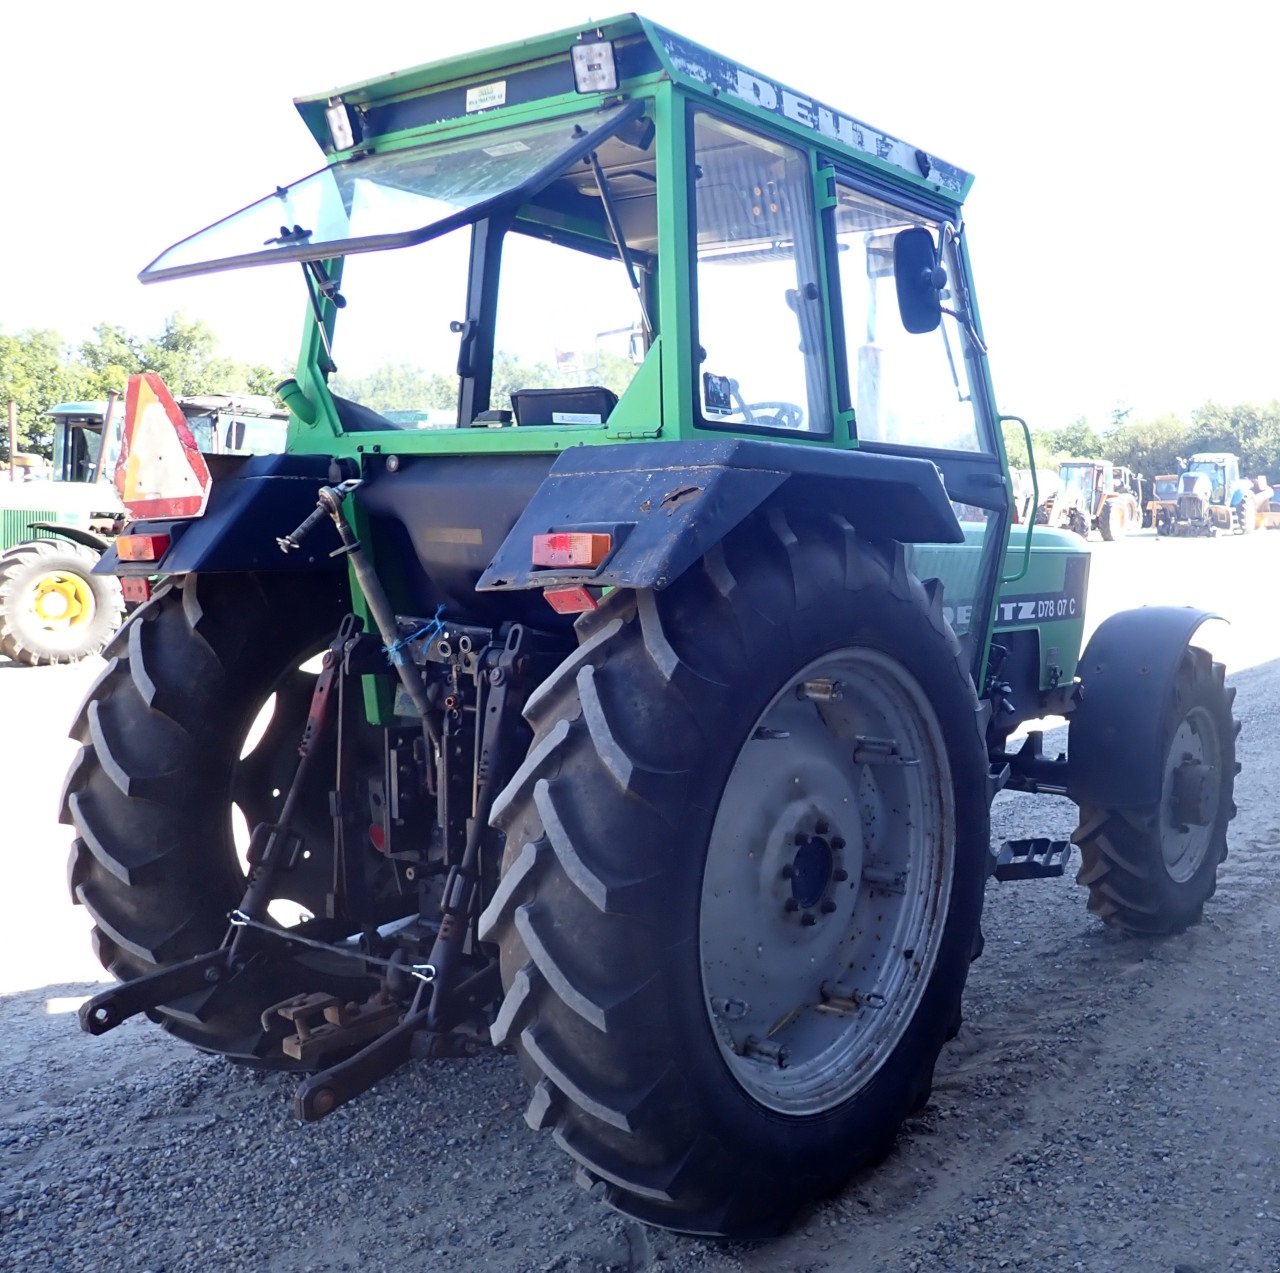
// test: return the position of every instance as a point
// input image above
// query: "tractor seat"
(587, 404)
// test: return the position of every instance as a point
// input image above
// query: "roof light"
(141, 547)
(338, 117)
(595, 68)
(571, 548)
(574, 600)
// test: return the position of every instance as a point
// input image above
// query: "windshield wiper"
(615, 231)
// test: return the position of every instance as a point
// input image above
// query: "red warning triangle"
(160, 472)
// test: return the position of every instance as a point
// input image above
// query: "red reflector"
(571, 548)
(136, 589)
(377, 837)
(141, 547)
(575, 600)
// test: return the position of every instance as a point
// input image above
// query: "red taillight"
(141, 547)
(575, 600)
(136, 589)
(571, 548)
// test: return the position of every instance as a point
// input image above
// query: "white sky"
(1126, 158)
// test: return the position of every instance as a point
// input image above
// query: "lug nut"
(787, 871)
(839, 875)
(801, 838)
(807, 919)
(827, 907)
(837, 843)
(822, 828)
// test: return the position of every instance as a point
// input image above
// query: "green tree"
(1250, 431)
(1077, 440)
(1150, 447)
(35, 372)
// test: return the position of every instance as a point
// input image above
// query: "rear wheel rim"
(827, 881)
(1184, 845)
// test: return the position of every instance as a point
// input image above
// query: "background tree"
(36, 373)
(1150, 447)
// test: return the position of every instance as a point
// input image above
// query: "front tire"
(53, 608)
(735, 920)
(1152, 870)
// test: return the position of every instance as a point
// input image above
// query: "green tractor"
(646, 720)
(53, 608)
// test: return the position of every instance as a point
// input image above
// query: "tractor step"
(1036, 859)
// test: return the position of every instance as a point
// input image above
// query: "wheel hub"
(812, 868)
(1192, 801)
(61, 600)
(1193, 795)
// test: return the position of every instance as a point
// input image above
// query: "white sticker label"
(507, 148)
(575, 417)
(482, 96)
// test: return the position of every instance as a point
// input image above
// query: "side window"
(909, 390)
(762, 355)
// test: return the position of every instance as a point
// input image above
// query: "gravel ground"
(1109, 1104)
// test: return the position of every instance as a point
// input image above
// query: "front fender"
(667, 503)
(89, 538)
(1115, 742)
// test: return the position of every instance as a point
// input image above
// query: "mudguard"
(667, 503)
(253, 500)
(1115, 743)
(89, 538)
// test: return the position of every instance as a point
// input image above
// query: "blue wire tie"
(395, 651)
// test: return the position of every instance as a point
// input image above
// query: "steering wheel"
(785, 415)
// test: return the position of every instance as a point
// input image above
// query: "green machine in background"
(646, 498)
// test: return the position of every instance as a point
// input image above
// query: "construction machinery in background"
(53, 531)
(1094, 495)
(653, 733)
(1161, 509)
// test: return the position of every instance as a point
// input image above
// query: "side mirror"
(920, 279)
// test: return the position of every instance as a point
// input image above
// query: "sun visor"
(393, 199)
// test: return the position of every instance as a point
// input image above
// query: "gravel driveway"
(1110, 1104)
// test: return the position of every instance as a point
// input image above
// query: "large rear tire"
(153, 790)
(1152, 870)
(743, 878)
(1114, 520)
(53, 608)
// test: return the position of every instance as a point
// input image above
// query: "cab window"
(760, 329)
(910, 390)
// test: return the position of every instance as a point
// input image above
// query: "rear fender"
(1115, 743)
(254, 499)
(665, 504)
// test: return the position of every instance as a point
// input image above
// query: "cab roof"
(463, 87)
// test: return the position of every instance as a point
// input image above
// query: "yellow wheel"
(53, 608)
(62, 599)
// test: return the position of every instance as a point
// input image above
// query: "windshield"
(1077, 480)
(393, 199)
(564, 314)
(1216, 473)
(1166, 487)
